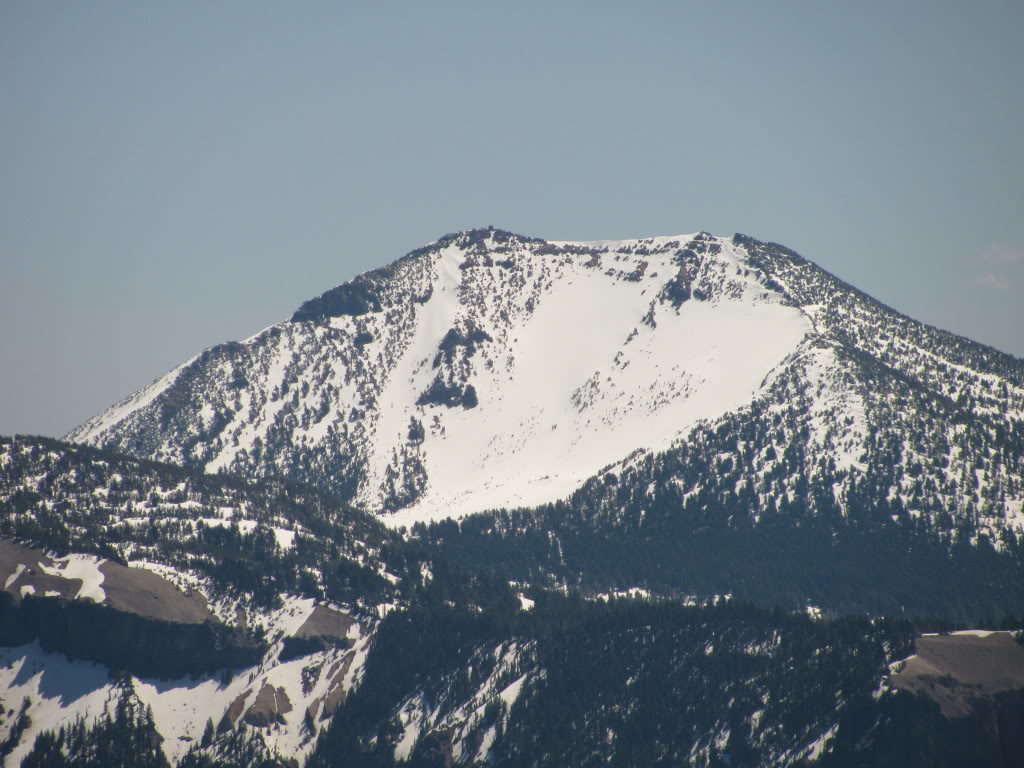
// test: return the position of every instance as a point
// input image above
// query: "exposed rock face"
(961, 705)
(26, 571)
(326, 622)
(963, 673)
(656, 384)
(296, 647)
(270, 706)
(126, 618)
(142, 592)
(234, 711)
(324, 629)
(336, 692)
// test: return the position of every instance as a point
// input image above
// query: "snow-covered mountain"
(491, 370)
(713, 424)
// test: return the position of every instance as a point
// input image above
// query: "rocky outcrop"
(959, 703)
(28, 571)
(326, 622)
(270, 707)
(963, 673)
(297, 647)
(234, 711)
(142, 592)
(126, 618)
(335, 695)
(324, 629)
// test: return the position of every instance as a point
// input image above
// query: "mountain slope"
(340, 643)
(260, 538)
(172, 580)
(459, 378)
(627, 683)
(491, 370)
(249, 604)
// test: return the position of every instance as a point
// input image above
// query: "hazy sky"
(175, 175)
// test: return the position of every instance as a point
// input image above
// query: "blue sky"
(177, 175)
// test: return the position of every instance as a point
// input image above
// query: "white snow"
(632, 593)
(511, 693)
(285, 538)
(182, 707)
(970, 632)
(411, 716)
(416, 717)
(588, 383)
(86, 568)
(975, 632)
(585, 367)
(206, 413)
(60, 690)
(291, 615)
(838, 420)
(486, 743)
(817, 748)
(14, 576)
(245, 428)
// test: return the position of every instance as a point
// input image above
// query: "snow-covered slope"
(286, 700)
(492, 370)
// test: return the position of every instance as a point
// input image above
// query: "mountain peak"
(490, 369)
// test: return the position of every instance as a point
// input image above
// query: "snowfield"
(590, 384)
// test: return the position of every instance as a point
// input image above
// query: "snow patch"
(84, 568)
(817, 748)
(510, 693)
(14, 576)
(411, 717)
